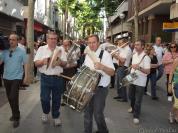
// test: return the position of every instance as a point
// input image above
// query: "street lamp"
(121, 16)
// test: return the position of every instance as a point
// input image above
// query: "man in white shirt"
(159, 54)
(50, 80)
(141, 66)
(123, 60)
(97, 104)
(21, 43)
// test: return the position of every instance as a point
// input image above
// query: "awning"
(37, 26)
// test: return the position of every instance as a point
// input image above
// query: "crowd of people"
(148, 62)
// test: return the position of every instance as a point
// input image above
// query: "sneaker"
(44, 118)
(57, 122)
(169, 98)
(130, 110)
(136, 121)
(171, 117)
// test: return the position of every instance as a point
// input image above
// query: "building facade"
(152, 14)
(118, 22)
(13, 16)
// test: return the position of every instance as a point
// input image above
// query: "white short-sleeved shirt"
(107, 61)
(45, 52)
(159, 53)
(126, 53)
(145, 63)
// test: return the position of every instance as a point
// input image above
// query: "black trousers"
(12, 91)
(113, 77)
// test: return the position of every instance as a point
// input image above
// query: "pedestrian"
(97, 104)
(152, 76)
(159, 54)
(173, 88)
(51, 84)
(168, 60)
(141, 67)
(14, 58)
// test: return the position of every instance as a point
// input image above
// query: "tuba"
(74, 53)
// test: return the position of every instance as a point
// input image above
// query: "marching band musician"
(123, 61)
(71, 67)
(50, 80)
(97, 104)
(141, 66)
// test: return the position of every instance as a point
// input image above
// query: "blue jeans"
(96, 107)
(160, 72)
(152, 78)
(136, 95)
(121, 91)
(51, 86)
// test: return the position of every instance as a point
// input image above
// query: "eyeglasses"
(173, 47)
(10, 53)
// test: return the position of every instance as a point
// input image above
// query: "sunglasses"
(10, 53)
(173, 47)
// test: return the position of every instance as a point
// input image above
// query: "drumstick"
(64, 76)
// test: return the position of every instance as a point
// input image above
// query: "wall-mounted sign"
(170, 26)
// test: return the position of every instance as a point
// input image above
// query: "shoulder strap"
(101, 54)
(142, 59)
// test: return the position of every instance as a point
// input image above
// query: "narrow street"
(154, 117)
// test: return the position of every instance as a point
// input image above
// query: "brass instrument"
(73, 54)
(54, 58)
(118, 48)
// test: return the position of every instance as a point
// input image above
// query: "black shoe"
(121, 100)
(63, 104)
(16, 123)
(155, 98)
(11, 118)
(99, 132)
(118, 97)
(24, 85)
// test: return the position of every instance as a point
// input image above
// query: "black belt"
(49, 75)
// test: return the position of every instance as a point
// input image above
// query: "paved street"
(154, 117)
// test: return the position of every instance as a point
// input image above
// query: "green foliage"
(87, 12)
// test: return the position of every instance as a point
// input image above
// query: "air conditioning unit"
(174, 11)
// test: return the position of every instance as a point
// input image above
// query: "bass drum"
(81, 88)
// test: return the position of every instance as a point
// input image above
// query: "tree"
(109, 7)
(30, 39)
(136, 10)
(86, 17)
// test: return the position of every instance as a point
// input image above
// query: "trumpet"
(112, 49)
